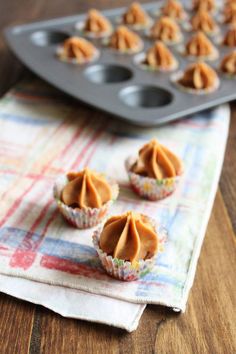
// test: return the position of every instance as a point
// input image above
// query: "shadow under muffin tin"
(114, 82)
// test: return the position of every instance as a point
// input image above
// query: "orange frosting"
(174, 8)
(123, 39)
(136, 15)
(203, 21)
(199, 45)
(78, 48)
(159, 56)
(199, 76)
(207, 5)
(228, 64)
(230, 37)
(230, 13)
(86, 189)
(156, 161)
(165, 29)
(97, 23)
(130, 237)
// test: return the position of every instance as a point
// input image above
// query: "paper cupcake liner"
(74, 61)
(176, 76)
(87, 217)
(211, 57)
(125, 270)
(151, 188)
(79, 26)
(139, 61)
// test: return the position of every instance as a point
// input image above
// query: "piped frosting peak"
(86, 189)
(130, 237)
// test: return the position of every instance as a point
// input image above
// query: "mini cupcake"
(96, 25)
(156, 172)
(229, 13)
(160, 58)
(136, 17)
(200, 47)
(207, 5)
(198, 78)
(174, 9)
(85, 197)
(229, 39)
(228, 64)
(203, 21)
(166, 30)
(128, 244)
(77, 50)
(125, 41)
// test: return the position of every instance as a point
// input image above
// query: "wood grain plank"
(16, 321)
(228, 180)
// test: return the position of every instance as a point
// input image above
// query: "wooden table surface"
(209, 323)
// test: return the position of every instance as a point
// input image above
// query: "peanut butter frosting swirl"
(230, 37)
(199, 76)
(79, 49)
(199, 45)
(86, 189)
(97, 23)
(166, 30)
(229, 12)
(136, 15)
(130, 237)
(203, 21)
(174, 9)
(207, 5)
(156, 161)
(125, 40)
(228, 64)
(159, 56)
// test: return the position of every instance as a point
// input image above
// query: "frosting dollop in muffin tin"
(166, 30)
(145, 86)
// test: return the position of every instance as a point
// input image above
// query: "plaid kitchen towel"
(43, 136)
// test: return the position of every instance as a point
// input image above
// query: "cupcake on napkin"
(128, 244)
(156, 172)
(85, 197)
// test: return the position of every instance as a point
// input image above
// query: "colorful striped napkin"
(43, 136)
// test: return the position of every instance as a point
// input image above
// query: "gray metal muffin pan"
(113, 83)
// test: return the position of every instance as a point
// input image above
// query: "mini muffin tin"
(114, 82)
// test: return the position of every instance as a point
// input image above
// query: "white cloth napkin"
(42, 137)
(74, 303)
